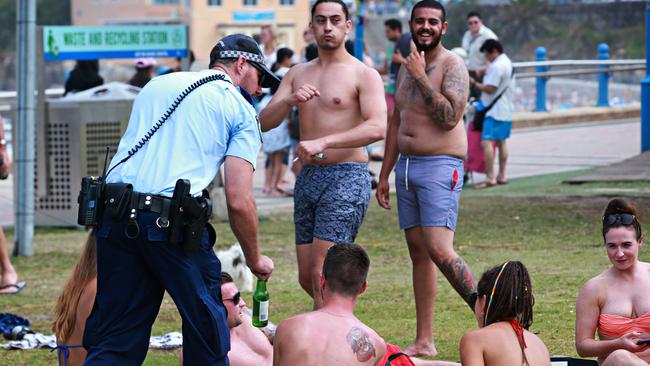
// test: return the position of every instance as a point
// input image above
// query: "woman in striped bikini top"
(616, 303)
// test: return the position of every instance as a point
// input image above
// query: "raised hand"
(415, 63)
(304, 94)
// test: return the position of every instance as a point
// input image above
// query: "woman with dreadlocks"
(616, 303)
(504, 310)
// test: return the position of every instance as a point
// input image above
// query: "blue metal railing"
(603, 66)
(645, 88)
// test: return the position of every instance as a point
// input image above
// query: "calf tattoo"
(461, 278)
(361, 345)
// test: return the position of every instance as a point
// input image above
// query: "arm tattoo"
(460, 277)
(361, 345)
(446, 106)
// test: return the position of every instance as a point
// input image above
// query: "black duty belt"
(183, 215)
(150, 202)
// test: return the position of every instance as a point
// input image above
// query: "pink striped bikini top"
(615, 326)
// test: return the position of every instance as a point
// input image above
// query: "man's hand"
(416, 65)
(383, 193)
(304, 94)
(263, 268)
(308, 149)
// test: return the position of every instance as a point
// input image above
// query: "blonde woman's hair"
(65, 310)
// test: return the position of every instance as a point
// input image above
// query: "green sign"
(130, 41)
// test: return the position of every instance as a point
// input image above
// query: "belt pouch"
(177, 215)
(118, 199)
(197, 217)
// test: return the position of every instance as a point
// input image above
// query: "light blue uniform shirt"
(212, 122)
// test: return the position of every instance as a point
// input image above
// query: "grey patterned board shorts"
(330, 202)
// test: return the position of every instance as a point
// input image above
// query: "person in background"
(498, 88)
(276, 141)
(473, 39)
(616, 303)
(269, 45)
(143, 72)
(504, 311)
(85, 75)
(9, 284)
(399, 47)
(308, 38)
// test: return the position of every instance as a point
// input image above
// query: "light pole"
(24, 145)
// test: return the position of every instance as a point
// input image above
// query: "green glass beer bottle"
(261, 305)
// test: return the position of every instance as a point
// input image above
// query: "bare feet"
(485, 185)
(421, 349)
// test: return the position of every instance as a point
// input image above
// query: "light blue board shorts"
(428, 190)
(496, 130)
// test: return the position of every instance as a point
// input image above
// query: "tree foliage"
(48, 12)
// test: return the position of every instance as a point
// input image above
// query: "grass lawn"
(553, 228)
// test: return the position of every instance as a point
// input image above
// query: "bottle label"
(264, 311)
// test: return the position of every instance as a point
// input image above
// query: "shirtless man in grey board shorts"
(342, 109)
(427, 132)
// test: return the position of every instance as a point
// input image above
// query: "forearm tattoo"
(460, 277)
(446, 106)
(361, 345)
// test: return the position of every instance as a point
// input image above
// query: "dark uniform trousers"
(132, 276)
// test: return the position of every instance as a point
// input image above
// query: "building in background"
(208, 20)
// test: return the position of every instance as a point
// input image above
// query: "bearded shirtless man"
(427, 132)
(342, 109)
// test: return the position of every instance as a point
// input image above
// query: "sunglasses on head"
(235, 299)
(619, 219)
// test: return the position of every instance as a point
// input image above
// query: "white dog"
(234, 262)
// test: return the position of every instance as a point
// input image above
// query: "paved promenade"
(533, 151)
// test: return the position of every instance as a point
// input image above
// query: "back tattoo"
(361, 345)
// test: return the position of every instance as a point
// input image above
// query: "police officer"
(137, 259)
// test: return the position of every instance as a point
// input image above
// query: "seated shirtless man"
(332, 335)
(249, 346)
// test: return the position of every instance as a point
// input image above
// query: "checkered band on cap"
(236, 54)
